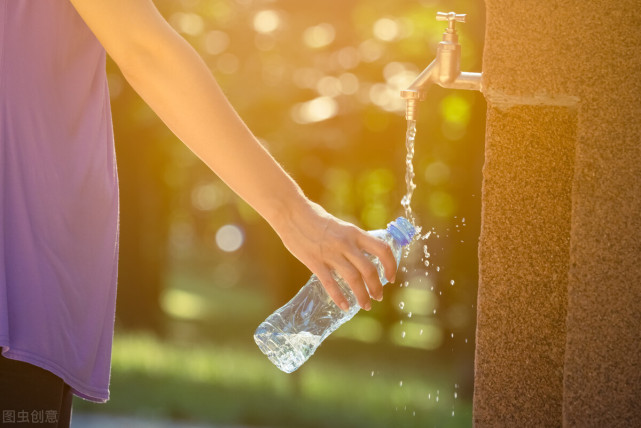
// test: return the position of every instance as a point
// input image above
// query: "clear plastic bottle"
(292, 333)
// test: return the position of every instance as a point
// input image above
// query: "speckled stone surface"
(559, 311)
(524, 255)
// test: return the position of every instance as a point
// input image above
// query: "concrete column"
(559, 305)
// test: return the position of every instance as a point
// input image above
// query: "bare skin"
(175, 82)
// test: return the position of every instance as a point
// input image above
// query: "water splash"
(406, 201)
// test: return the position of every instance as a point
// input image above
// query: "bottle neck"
(402, 231)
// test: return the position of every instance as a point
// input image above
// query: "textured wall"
(559, 311)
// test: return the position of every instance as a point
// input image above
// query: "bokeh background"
(319, 84)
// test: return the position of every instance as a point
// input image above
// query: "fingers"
(340, 248)
(367, 271)
(346, 270)
(358, 270)
(352, 276)
(332, 288)
(383, 252)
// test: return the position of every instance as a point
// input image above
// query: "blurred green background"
(319, 84)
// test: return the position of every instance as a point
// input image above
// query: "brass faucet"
(445, 70)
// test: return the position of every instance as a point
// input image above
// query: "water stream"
(406, 201)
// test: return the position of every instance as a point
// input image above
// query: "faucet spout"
(421, 83)
(416, 91)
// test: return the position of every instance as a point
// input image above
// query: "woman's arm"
(170, 76)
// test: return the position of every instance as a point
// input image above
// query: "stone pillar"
(559, 304)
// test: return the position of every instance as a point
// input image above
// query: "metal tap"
(445, 70)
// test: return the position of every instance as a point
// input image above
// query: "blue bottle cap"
(402, 230)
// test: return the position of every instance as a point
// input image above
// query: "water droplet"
(429, 396)
(403, 334)
(372, 372)
(455, 395)
(452, 413)
(437, 398)
(426, 263)
(414, 413)
(400, 383)
(420, 333)
(451, 282)
(401, 305)
(434, 311)
(466, 340)
(438, 268)
(463, 219)
(409, 315)
(452, 335)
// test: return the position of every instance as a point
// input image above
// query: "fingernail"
(379, 298)
(393, 279)
(345, 306)
(367, 306)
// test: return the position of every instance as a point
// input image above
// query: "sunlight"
(316, 110)
(266, 21)
(229, 238)
(319, 35)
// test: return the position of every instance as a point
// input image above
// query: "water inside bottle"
(290, 350)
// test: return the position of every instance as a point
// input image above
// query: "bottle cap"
(402, 230)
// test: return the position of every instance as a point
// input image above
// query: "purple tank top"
(58, 196)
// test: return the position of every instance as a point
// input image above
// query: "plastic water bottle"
(292, 333)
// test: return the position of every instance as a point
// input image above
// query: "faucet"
(445, 70)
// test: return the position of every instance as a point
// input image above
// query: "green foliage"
(233, 385)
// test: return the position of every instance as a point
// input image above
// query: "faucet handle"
(451, 17)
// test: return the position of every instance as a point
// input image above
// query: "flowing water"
(406, 202)
(419, 274)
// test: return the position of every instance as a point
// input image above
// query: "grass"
(235, 384)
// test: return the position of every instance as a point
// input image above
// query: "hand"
(324, 244)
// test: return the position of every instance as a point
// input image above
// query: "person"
(59, 199)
